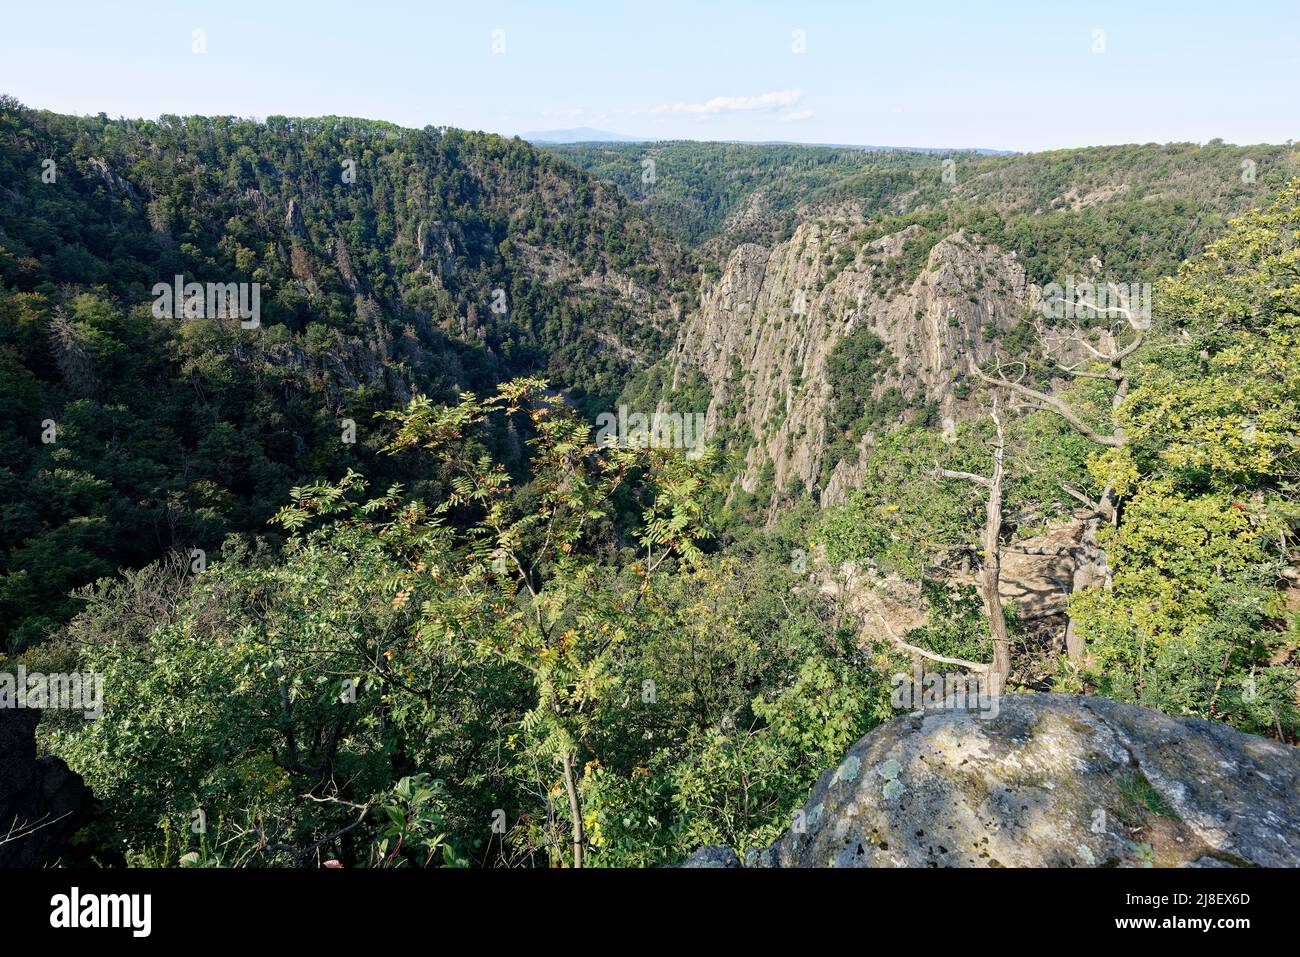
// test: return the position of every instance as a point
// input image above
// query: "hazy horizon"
(534, 136)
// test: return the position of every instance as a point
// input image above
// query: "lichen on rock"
(1051, 781)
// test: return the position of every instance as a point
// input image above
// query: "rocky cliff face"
(1050, 781)
(765, 329)
(41, 802)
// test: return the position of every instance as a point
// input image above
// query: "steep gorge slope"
(387, 261)
(901, 271)
(766, 333)
(359, 226)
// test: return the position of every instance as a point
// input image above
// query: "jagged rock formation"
(115, 183)
(764, 331)
(293, 222)
(42, 802)
(1051, 780)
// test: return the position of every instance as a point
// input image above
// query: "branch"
(1132, 347)
(1114, 358)
(966, 476)
(1079, 496)
(960, 662)
(1078, 373)
(1052, 403)
(1049, 553)
(300, 856)
(18, 832)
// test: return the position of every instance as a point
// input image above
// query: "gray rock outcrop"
(1050, 781)
(42, 802)
(713, 855)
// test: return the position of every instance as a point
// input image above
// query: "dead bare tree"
(73, 353)
(991, 573)
(1104, 359)
(1107, 353)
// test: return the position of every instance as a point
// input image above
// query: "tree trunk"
(575, 809)
(991, 574)
(1114, 357)
(991, 579)
(1089, 572)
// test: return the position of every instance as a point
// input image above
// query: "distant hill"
(726, 193)
(868, 148)
(586, 134)
(581, 134)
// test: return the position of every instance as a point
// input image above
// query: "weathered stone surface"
(878, 602)
(116, 184)
(712, 856)
(1052, 780)
(42, 802)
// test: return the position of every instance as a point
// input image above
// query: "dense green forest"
(475, 636)
(389, 262)
(1140, 209)
(692, 190)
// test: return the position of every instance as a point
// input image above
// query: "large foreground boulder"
(1051, 780)
(42, 802)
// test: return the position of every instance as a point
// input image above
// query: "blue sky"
(1013, 75)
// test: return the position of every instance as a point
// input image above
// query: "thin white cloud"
(796, 116)
(762, 103)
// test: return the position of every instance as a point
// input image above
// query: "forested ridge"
(390, 262)
(476, 636)
(1139, 209)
